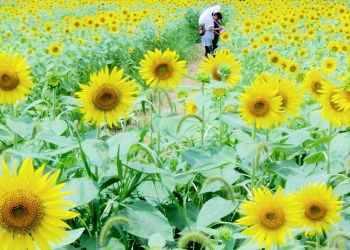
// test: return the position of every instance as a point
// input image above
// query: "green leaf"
(22, 126)
(213, 210)
(124, 141)
(85, 190)
(57, 126)
(315, 158)
(145, 168)
(50, 136)
(147, 220)
(342, 188)
(29, 154)
(97, 152)
(72, 236)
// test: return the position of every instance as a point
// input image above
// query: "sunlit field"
(116, 132)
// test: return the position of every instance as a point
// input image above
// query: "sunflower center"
(8, 79)
(20, 211)
(272, 218)
(315, 211)
(106, 98)
(274, 59)
(292, 68)
(163, 71)
(259, 107)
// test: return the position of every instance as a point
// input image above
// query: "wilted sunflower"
(270, 217)
(321, 207)
(331, 111)
(162, 69)
(226, 58)
(55, 49)
(313, 82)
(108, 97)
(261, 104)
(31, 208)
(191, 107)
(15, 80)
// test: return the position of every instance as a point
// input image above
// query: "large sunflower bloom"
(321, 208)
(162, 69)
(336, 115)
(15, 80)
(261, 104)
(31, 210)
(107, 97)
(313, 82)
(270, 217)
(222, 58)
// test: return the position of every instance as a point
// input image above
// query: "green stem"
(158, 134)
(53, 103)
(203, 123)
(13, 109)
(329, 151)
(254, 161)
(98, 132)
(221, 124)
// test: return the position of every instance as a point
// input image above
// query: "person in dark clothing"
(217, 21)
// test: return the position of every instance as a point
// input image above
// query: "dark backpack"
(201, 30)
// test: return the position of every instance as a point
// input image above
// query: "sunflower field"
(116, 131)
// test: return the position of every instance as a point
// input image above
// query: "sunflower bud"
(53, 81)
(203, 77)
(225, 233)
(224, 71)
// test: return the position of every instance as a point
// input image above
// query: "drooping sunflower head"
(31, 208)
(15, 80)
(313, 82)
(108, 97)
(269, 216)
(226, 58)
(261, 105)
(342, 96)
(191, 107)
(292, 98)
(162, 69)
(331, 110)
(321, 207)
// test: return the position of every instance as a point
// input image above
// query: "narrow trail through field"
(193, 65)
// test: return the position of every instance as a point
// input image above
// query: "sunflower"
(31, 208)
(15, 81)
(313, 82)
(274, 58)
(224, 57)
(321, 208)
(225, 36)
(336, 115)
(261, 104)
(55, 49)
(107, 97)
(97, 39)
(191, 107)
(292, 67)
(329, 64)
(162, 69)
(270, 217)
